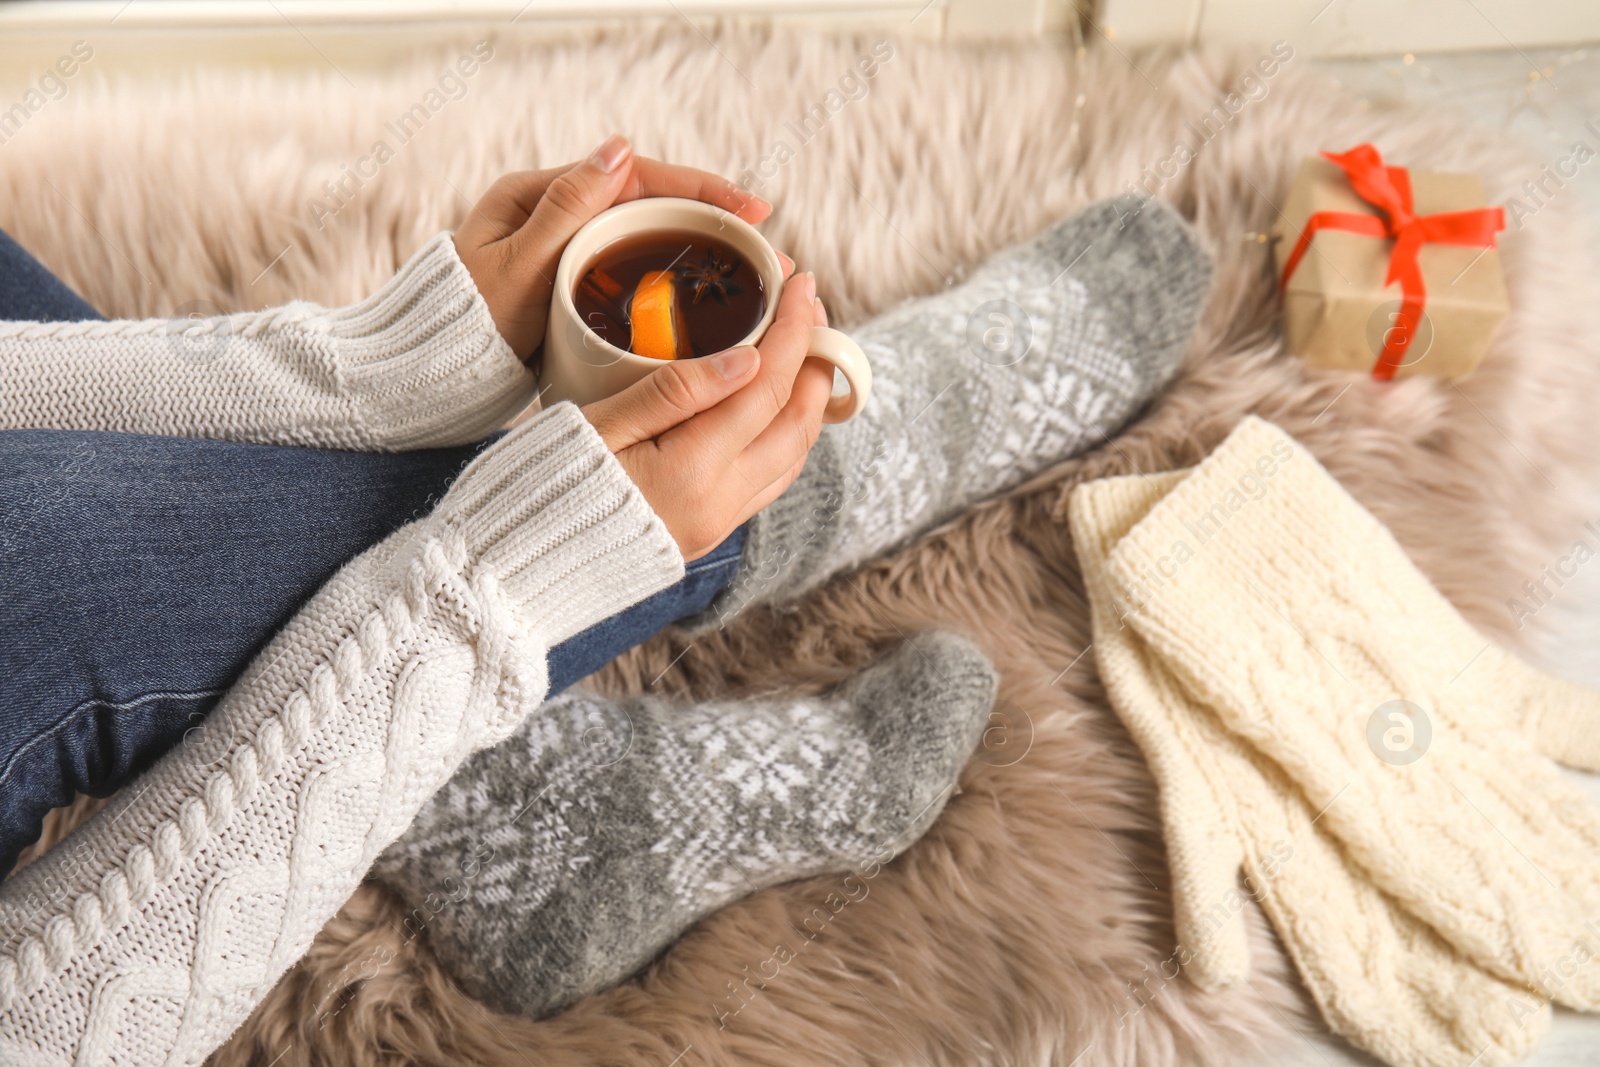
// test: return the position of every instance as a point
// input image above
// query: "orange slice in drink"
(657, 321)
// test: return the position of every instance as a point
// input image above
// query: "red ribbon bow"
(1389, 190)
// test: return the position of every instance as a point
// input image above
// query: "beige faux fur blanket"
(1031, 924)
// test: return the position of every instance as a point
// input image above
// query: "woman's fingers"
(502, 210)
(516, 274)
(536, 212)
(760, 501)
(789, 436)
(812, 388)
(665, 429)
(733, 424)
(670, 396)
(571, 199)
(514, 197)
(651, 177)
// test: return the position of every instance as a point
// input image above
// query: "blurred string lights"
(1536, 93)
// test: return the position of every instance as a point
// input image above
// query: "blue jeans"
(139, 575)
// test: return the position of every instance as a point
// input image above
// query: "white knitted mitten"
(1381, 978)
(150, 934)
(1284, 606)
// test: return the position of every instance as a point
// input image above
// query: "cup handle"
(844, 353)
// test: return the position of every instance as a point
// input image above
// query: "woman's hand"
(512, 240)
(712, 441)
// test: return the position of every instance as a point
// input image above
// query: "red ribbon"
(1389, 190)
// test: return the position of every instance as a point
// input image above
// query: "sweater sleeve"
(419, 364)
(153, 931)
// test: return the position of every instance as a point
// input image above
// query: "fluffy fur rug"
(1030, 925)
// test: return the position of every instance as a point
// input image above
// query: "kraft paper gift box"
(1339, 306)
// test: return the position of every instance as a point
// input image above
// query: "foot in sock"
(563, 860)
(1045, 352)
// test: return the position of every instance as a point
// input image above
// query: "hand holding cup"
(709, 441)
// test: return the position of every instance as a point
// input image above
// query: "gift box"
(1388, 270)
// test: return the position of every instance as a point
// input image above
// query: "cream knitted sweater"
(419, 364)
(150, 934)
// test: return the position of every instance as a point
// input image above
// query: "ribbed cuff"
(553, 516)
(1256, 503)
(422, 358)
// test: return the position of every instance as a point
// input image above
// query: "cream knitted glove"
(1286, 608)
(1381, 978)
(420, 364)
(150, 934)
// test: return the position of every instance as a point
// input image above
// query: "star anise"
(710, 277)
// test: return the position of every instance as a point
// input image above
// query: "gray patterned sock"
(564, 859)
(1046, 351)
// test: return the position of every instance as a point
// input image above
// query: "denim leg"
(30, 293)
(603, 642)
(142, 574)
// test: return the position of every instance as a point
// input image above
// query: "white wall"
(1355, 27)
(161, 35)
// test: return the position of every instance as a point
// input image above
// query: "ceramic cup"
(580, 367)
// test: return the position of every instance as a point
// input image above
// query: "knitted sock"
(1044, 352)
(1291, 612)
(563, 860)
(153, 933)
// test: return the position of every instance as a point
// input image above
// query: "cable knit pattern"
(420, 364)
(151, 933)
(1380, 977)
(1297, 617)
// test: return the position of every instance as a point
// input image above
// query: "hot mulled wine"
(670, 295)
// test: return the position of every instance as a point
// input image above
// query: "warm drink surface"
(718, 296)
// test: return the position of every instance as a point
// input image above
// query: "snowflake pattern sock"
(565, 859)
(1046, 351)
